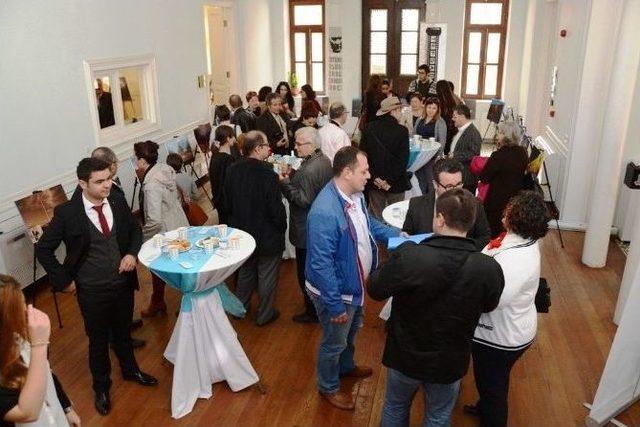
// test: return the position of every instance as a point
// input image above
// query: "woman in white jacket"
(504, 334)
(160, 207)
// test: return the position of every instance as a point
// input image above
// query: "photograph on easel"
(36, 210)
(179, 144)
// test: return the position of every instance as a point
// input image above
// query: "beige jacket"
(162, 206)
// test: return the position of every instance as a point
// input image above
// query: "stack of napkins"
(394, 242)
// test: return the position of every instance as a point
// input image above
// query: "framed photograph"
(36, 210)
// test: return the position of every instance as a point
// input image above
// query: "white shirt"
(461, 130)
(359, 220)
(333, 138)
(93, 214)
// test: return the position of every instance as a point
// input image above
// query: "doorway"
(220, 42)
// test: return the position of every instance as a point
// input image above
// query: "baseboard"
(575, 226)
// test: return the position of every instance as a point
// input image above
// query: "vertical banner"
(433, 47)
(334, 76)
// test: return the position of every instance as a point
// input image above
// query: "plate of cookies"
(183, 245)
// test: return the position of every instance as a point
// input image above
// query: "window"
(391, 40)
(123, 95)
(484, 41)
(306, 25)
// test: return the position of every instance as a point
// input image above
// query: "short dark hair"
(223, 133)
(386, 82)
(175, 161)
(147, 150)
(424, 67)
(271, 97)
(527, 215)
(263, 92)
(412, 95)
(222, 113)
(458, 207)
(88, 165)
(252, 140)
(106, 154)
(308, 110)
(235, 101)
(250, 95)
(446, 165)
(202, 134)
(346, 157)
(463, 110)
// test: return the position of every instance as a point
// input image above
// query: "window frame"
(484, 30)
(122, 132)
(308, 30)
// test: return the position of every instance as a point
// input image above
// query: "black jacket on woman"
(504, 172)
(439, 287)
(218, 166)
(254, 201)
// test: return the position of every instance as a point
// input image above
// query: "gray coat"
(313, 174)
(467, 147)
(162, 205)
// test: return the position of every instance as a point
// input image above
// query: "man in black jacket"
(273, 125)
(254, 204)
(240, 116)
(439, 287)
(419, 219)
(466, 144)
(386, 143)
(102, 239)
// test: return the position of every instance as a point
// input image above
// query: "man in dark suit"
(240, 116)
(273, 125)
(254, 204)
(386, 143)
(466, 144)
(447, 175)
(102, 240)
(105, 106)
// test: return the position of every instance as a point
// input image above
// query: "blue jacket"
(332, 250)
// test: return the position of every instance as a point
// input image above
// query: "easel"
(55, 297)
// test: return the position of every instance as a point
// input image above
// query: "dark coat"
(386, 143)
(439, 287)
(218, 166)
(468, 146)
(504, 172)
(70, 225)
(254, 201)
(245, 119)
(301, 190)
(268, 124)
(419, 220)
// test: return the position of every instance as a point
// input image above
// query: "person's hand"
(283, 176)
(281, 143)
(73, 418)
(38, 325)
(382, 184)
(70, 289)
(128, 263)
(404, 234)
(340, 319)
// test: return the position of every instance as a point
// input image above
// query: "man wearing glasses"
(447, 175)
(254, 201)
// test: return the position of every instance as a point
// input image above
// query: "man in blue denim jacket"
(341, 253)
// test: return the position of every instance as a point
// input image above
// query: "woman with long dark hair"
(221, 159)
(447, 104)
(504, 334)
(262, 97)
(308, 117)
(309, 96)
(373, 96)
(284, 90)
(29, 392)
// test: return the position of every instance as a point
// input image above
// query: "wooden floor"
(548, 387)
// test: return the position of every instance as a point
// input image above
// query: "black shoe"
(103, 403)
(136, 324)
(136, 343)
(141, 378)
(471, 410)
(276, 314)
(305, 318)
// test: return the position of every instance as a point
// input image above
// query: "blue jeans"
(439, 400)
(335, 356)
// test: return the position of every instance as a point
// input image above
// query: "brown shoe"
(340, 400)
(359, 372)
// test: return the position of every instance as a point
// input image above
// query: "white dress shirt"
(93, 214)
(359, 220)
(461, 130)
(333, 138)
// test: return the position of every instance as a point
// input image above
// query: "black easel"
(55, 297)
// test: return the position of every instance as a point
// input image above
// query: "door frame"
(235, 80)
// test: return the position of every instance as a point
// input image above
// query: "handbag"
(195, 214)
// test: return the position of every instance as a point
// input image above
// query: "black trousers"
(301, 259)
(105, 312)
(491, 370)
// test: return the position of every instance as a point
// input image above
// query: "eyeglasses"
(263, 145)
(451, 186)
(300, 144)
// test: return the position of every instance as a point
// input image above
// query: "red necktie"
(103, 220)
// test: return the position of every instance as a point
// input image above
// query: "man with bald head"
(240, 116)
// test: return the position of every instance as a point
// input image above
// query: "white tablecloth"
(289, 249)
(426, 153)
(395, 213)
(203, 347)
